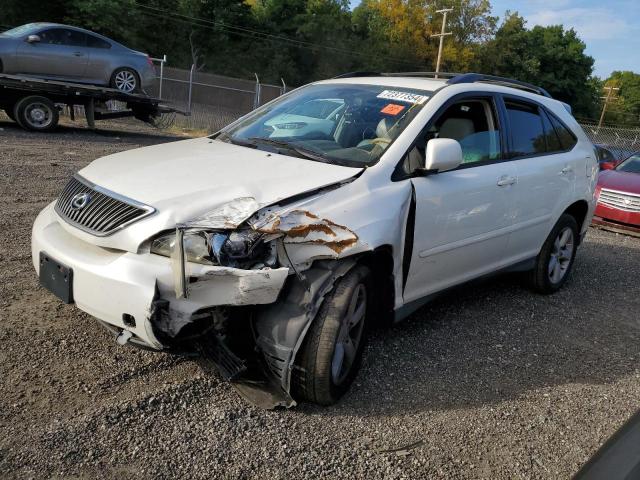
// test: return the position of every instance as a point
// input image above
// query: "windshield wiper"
(304, 152)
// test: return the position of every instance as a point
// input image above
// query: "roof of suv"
(432, 81)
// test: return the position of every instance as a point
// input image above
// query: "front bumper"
(109, 284)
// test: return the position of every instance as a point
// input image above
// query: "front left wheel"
(332, 351)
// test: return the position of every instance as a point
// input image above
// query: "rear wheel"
(126, 80)
(332, 351)
(36, 113)
(555, 260)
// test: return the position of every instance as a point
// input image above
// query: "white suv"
(274, 244)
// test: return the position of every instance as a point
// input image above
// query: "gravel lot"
(492, 381)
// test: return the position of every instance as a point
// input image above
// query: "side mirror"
(33, 39)
(441, 154)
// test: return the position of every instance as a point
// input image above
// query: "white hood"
(187, 179)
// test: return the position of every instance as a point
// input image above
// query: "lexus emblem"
(80, 201)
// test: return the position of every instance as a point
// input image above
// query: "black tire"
(36, 113)
(121, 77)
(315, 378)
(553, 258)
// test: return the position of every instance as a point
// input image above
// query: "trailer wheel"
(126, 80)
(36, 113)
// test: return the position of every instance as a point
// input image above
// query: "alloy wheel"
(125, 81)
(349, 336)
(561, 255)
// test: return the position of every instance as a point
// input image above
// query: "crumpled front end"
(241, 284)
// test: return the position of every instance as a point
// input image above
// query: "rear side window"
(551, 137)
(95, 42)
(527, 132)
(567, 139)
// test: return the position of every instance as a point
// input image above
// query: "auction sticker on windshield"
(402, 96)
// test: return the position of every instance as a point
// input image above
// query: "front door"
(60, 53)
(463, 217)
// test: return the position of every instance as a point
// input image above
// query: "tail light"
(149, 61)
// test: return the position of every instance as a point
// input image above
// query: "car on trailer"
(273, 256)
(34, 104)
(70, 54)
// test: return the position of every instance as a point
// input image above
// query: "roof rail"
(456, 78)
(436, 75)
(507, 82)
(359, 74)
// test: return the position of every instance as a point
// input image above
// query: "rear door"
(60, 53)
(546, 170)
(462, 217)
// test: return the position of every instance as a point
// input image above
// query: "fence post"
(256, 99)
(164, 59)
(283, 90)
(193, 66)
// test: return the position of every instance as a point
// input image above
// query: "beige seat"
(456, 128)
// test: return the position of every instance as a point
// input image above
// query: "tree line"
(305, 40)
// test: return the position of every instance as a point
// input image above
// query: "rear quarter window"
(96, 42)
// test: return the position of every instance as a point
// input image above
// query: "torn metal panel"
(304, 227)
(234, 286)
(228, 215)
(281, 327)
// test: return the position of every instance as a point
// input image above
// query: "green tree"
(551, 57)
(626, 109)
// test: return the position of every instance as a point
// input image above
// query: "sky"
(610, 29)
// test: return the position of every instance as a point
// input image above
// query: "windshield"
(349, 125)
(630, 165)
(20, 31)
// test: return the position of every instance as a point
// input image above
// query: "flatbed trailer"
(33, 102)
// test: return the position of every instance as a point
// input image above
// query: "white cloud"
(590, 23)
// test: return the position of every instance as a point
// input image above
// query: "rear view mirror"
(33, 39)
(442, 154)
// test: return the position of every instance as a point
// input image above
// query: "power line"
(250, 33)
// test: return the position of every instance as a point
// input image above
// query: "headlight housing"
(239, 249)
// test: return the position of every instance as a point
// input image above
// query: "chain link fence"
(621, 141)
(212, 101)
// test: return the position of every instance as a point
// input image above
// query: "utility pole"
(442, 34)
(607, 100)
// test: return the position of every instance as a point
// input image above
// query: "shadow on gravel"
(494, 341)
(84, 134)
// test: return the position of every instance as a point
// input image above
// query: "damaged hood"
(203, 178)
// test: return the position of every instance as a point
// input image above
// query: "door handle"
(505, 180)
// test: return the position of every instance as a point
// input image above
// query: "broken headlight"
(241, 249)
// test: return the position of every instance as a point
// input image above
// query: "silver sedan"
(61, 52)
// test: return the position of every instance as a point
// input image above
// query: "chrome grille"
(620, 200)
(104, 212)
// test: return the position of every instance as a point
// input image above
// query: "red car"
(618, 194)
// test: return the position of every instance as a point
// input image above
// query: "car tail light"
(149, 61)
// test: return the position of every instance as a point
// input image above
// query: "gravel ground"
(490, 382)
